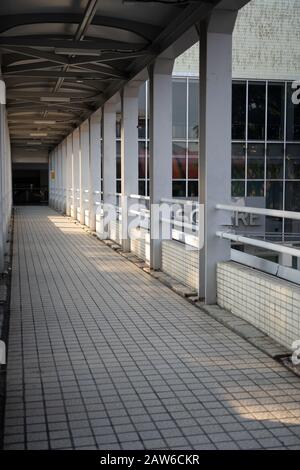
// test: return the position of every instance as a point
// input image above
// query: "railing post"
(129, 154)
(160, 78)
(214, 142)
(95, 167)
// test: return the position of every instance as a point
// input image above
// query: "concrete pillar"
(129, 154)
(69, 172)
(56, 182)
(160, 79)
(50, 180)
(59, 178)
(2, 174)
(95, 167)
(76, 176)
(109, 160)
(64, 170)
(215, 142)
(84, 169)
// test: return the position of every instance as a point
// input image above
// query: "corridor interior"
(103, 356)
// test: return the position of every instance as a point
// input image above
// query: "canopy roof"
(62, 59)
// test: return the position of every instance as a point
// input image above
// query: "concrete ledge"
(247, 331)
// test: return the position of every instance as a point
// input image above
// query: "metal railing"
(259, 242)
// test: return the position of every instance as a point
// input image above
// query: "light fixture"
(34, 142)
(59, 99)
(73, 50)
(44, 122)
(38, 134)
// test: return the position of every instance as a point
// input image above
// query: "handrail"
(180, 201)
(139, 196)
(260, 211)
(260, 243)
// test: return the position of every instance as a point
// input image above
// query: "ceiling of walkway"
(61, 59)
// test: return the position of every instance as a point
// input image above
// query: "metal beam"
(60, 74)
(30, 52)
(145, 30)
(97, 44)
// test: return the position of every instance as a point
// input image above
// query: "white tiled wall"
(140, 244)
(269, 303)
(115, 231)
(180, 263)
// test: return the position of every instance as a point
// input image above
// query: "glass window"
(292, 195)
(118, 186)
(142, 159)
(255, 188)
(142, 112)
(179, 108)
(118, 158)
(118, 126)
(292, 161)
(193, 189)
(193, 109)
(193, 168)
(256, 111)
(238, 188)
(256, 161)
(142, 187)
(179, 160)
(293, 116)
(276, 92)
(275, 154)
(238, 111)
(273, 228)
(193, 160)
(274, 195)
(179, 189)
(238, 161)
(291, 230)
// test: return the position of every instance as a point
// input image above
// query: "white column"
(64, 179)
(160, 78)
(69, 171)
(50, 179)
(59, 178)
(2, 174)
(84, 169)
(109, 159)
(215, 142)
(95, 167)
(54, 179)
(76, 176)
(129, 154)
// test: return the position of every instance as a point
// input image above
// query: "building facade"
(265, 121)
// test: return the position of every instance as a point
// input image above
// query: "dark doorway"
(30, 184)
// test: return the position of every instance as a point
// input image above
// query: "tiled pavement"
(103, 356)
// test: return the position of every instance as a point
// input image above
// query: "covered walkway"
(103, 356)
